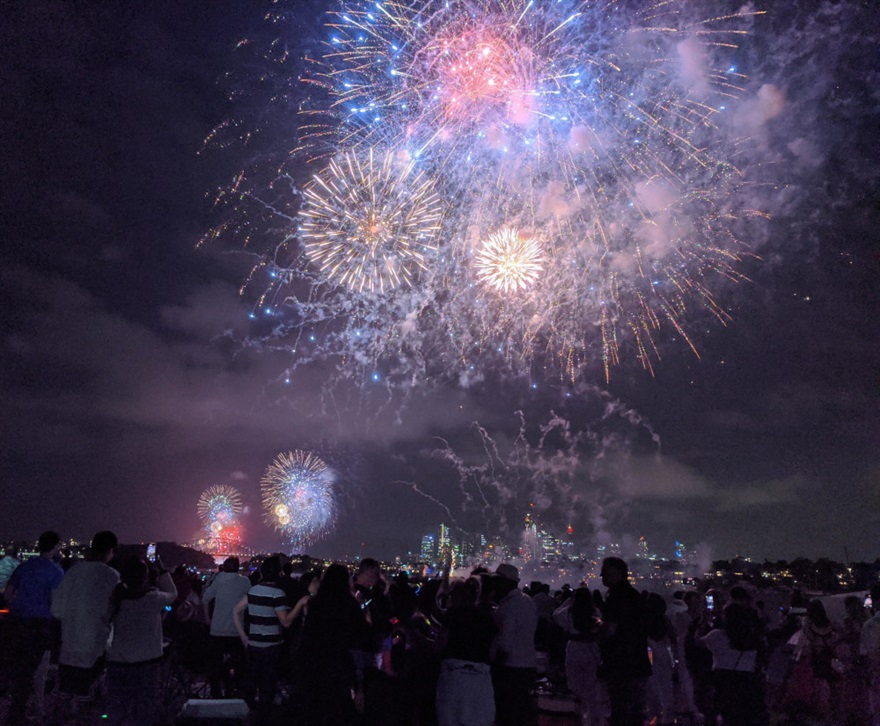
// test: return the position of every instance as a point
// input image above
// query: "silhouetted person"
(464, 692)
(736, 667)
(268, 613)
(8, 564)
(135, 655)
(581, 619)
(368, 588)
(514, 657)
(623, 644)
(869, 650)
(325, 659)
(225, 591)
(30, 631)
(82, 604)
(402, 597)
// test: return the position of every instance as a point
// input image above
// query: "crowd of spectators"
(330, 646)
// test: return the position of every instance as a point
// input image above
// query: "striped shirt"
(264, 604)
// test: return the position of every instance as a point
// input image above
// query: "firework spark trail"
(298, 497)
(602, 127)
(415, 488)
(563, 468)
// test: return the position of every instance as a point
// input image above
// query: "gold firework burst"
(371, 220)
(509, 261)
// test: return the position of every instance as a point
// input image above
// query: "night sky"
(132, 377)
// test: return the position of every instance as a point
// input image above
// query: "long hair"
(741, 627)
(133, 582)
(334, 585)
(583, 611)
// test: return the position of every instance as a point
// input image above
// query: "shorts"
(75, 681)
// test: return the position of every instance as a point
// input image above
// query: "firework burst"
(509, 261)
(605, 128)
(219, 508)
(298, 497)
(370, 223)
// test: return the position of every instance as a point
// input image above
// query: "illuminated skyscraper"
(681, 552)
(428, 548)
(444, 545)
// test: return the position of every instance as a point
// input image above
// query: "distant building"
(445, 551)
(427, 550)
(551, 549)
(682, 553)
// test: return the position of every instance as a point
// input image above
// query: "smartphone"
(710, 602)
(151, 552)
(869, 603)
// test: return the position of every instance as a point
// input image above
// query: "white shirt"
(517, 620)
(137, 625)
(726, 658)
(82, 604)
